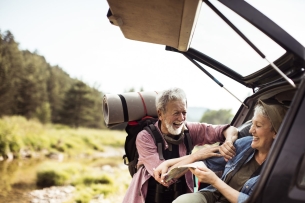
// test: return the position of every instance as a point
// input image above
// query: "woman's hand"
(205, 175)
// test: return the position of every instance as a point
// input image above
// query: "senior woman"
(240, 173)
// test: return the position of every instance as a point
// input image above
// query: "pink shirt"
(200, 133)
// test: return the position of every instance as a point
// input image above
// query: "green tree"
(77, 109)
(221, 116)
(58, 83)
(32, 92)
(11, 64)
(31, 87)
(97, 110)
(43, 113)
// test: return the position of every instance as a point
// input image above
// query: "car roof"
(172, 23)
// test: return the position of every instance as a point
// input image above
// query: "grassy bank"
(22, 138)
(19, 136)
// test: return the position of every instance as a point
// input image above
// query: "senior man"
(146, 186)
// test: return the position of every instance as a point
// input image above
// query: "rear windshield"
(216, 39)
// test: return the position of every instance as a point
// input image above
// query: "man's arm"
(165, 165)
(199, 155)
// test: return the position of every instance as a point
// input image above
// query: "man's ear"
(274, 135)
(159, 115)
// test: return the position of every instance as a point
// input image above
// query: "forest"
(32, 88)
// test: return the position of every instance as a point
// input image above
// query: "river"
(17, 179)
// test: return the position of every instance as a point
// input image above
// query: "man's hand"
(227, 150)
(205, 152)
(159, 173)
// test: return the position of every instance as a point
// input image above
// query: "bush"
(10, 141)
(52, 177)
(97, 179)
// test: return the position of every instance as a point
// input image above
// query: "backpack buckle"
(125, 160)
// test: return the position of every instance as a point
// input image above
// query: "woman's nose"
(251, 129)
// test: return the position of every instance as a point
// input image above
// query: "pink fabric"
(201, 133)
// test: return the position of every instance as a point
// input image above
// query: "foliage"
(221, 116)
(82, 106)
(43, 112)
(31, 87)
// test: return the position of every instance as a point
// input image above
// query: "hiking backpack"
(133, 128)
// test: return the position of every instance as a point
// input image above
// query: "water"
(18, 177)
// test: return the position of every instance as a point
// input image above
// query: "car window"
(216, 39)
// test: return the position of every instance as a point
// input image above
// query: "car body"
(172, 23)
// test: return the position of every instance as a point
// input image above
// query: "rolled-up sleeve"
(242, 197)
(203, 133)
(147, 150)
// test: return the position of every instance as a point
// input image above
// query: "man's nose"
(182, 116)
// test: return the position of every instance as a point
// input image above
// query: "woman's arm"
(207, 176)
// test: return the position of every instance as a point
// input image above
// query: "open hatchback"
(173, 23)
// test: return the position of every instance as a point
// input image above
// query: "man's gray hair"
(166, 96)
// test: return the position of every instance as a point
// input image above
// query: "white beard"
(172, 130)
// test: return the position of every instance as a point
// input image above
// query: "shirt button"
(247, 186)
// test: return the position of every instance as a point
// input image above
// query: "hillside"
(194, 114)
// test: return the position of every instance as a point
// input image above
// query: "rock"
(56, 156)
(54, 194)
(107, 168)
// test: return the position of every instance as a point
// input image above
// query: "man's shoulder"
(143, 133)
(193, 125)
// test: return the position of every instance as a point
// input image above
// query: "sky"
(77, 36)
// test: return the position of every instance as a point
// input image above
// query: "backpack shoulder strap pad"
(188, 142)
(154, 132)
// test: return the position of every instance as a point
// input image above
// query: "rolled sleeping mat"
(130, 106)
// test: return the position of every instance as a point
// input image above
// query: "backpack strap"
(154, 132)
(124, 106)
(188, 142)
